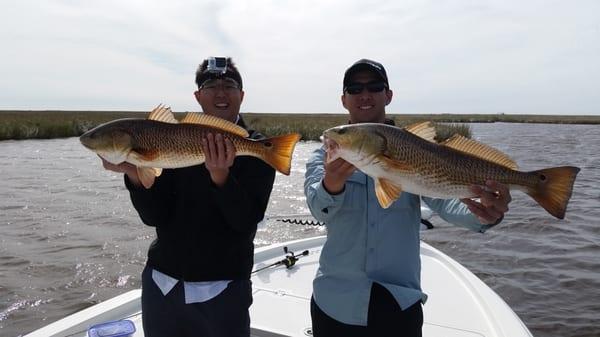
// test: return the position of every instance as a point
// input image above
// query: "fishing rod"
(289, 261)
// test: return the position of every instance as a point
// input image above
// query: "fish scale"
(163, 142)
(400, 160)
(177, 145)
(449, 169)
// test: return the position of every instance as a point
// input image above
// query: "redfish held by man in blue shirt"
(161, 141)
(408, 159)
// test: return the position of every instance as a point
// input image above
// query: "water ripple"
(70, 237)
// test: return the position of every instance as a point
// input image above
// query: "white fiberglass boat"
(459, 303)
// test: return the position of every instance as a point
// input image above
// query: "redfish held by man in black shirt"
(161, 141)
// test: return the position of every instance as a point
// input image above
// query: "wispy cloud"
(441, 56)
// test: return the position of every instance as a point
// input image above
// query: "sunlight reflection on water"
(70, 236)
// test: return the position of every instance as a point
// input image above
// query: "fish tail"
(553, 188)
(279, 153)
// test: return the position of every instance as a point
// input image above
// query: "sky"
(509, 56)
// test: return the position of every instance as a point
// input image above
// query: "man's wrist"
(219, 177)
(497, 221)
(332, 189)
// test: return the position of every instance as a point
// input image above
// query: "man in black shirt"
(197, 278)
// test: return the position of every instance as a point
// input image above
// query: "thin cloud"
(465, 56)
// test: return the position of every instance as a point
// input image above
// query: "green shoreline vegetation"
(25, 124)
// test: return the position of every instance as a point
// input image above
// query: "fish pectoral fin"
(424, 130)
(147, 175)
(480, 150)
(387, 192)
(162, 114)
(214, 122)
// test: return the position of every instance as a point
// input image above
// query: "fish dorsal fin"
(479, 150)
(423, 129)
(191, 118)
(387, 192)
(215, 122)
(162, 114)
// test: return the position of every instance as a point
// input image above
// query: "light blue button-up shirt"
(367, 243)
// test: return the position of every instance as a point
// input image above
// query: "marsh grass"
(311, 126)
(54, 124)
(57, 124)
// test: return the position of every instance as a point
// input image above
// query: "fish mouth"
(329, 143)
(85, 140)
(332, 148)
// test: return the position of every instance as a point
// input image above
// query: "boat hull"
(281, 305)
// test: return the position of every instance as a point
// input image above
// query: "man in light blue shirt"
(368, 282)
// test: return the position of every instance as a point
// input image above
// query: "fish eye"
(268, 144)
(542, 177)
(342, 131)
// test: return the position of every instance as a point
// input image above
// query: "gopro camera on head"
(217, 65)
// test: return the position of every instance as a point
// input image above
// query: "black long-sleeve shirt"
(205, 232)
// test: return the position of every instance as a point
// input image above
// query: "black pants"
(225, 315)
(385, 319)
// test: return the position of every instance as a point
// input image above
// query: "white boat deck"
(459, 304)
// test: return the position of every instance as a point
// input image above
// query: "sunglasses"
(226, 84)
(357, 88)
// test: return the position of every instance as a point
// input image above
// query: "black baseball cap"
(368, 65)
(204, 73)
